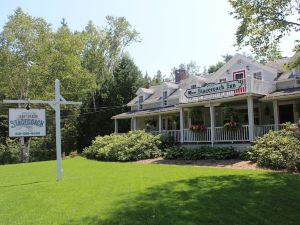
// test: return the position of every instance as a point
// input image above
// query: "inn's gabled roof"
(280, 66)
(290, 92)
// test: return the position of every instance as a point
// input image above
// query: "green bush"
(135, 145)
(9, 152)
(167, 141)
(41, 150)
(202, 152)
(277, 150)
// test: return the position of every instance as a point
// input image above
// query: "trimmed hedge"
(135, 145)
(202, 152)
(277, 150)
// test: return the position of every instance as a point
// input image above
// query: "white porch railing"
(238, 134)
(260, 130)
(221, 134)
(172, 133)
(200, 136)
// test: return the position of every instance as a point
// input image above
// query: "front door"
(286, 113)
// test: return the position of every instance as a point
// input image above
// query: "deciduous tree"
(263, 23)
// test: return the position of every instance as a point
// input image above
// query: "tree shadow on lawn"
(268, 198)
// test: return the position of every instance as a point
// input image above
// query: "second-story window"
(257, 75)
(193, 86)
(141, 99)
(164, 98)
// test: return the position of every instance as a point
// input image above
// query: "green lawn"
(128, 193)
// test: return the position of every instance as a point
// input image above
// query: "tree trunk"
(22, 149)
(94, 101)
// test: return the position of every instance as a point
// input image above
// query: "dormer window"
(193, 86)
(222, 80)
(257, 75)
(164, 98)
(141, 99)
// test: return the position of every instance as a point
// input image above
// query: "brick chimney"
(180, 74)
(147, 85)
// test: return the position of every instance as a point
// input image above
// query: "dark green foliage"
(42, 155)
(9, 151)
(277, 150)
(135, 145)
(202, 152)
(167, 141)
(3, 126)
(196, 114)
(114, 94)
(230, 113)
(42, 149)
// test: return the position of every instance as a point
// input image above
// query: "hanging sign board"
(27, 123)
(213, 89)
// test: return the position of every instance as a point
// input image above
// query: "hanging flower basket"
(231, 125)
(198, 127)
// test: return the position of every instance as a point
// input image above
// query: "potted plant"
(231, 125)
(198, 127)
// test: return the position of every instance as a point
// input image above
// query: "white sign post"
(56, 106)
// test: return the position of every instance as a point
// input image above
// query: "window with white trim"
(141, 99)
(164, 98)
(257, 75)
(297, 76)
(222, 80)
(193, 86)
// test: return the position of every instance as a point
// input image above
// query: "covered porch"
(205, 122)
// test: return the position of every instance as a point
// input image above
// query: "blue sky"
(172, 31)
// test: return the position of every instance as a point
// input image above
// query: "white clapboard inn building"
(263, 96)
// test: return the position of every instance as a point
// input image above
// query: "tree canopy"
(264, 23)
(92, 65)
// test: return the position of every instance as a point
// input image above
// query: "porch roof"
(146, 112)
(283, 94)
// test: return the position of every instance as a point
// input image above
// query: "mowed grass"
(128, 193)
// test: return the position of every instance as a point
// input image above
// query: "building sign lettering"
(27, 123)
(214, 88)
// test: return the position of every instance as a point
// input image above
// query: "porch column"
(250, 118)
(212, 124)
(116, 126)
(276, 118)
(159, 123)
(181, 124)
(134, 123)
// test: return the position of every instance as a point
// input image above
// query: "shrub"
(167, 141)
(41, 150)
(73, 154)
(9, 152)
(203, 152)
(36, 155)
(135, 145)
(277, 150)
